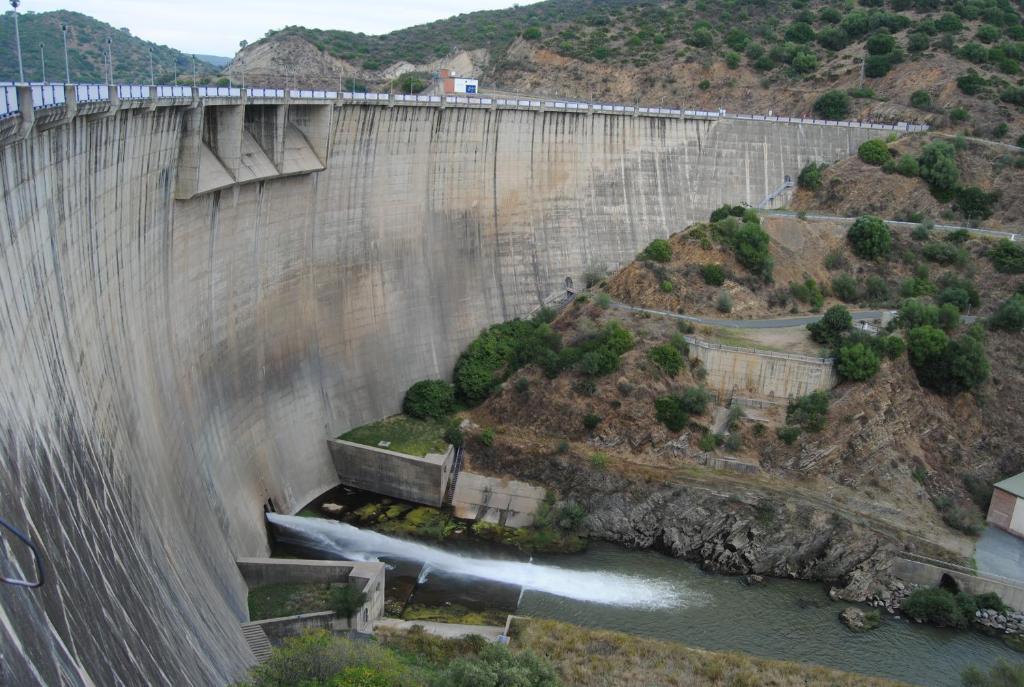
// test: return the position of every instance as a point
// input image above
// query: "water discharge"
(345, 541)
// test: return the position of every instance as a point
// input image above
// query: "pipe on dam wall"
(169, 365)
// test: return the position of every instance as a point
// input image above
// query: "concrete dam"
(174, 358)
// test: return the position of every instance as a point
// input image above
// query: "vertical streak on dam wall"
(169, 365)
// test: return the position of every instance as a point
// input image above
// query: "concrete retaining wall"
(169, 366)
(930, 575)
(410, 478)
(497, 500)
(780, 375)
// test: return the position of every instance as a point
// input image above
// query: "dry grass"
(599, 658)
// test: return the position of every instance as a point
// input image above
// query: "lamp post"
(17, 40)
(42, 60)
(193, 71)
(110, 62)
(67, 67)
(152, 74)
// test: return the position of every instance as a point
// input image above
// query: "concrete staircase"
(257, 640)
(449, 493)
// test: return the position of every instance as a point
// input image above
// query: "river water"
(647, 593)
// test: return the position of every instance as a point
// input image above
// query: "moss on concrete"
(404, 434)
(278, 600)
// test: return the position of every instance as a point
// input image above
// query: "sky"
(214, 27)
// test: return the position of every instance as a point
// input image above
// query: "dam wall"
(732, 369)
(173, 367)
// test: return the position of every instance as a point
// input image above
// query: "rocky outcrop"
(1008, 622)
(737, 533)
(858, 620)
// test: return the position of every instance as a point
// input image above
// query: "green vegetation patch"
(279, 600)
(406, 434)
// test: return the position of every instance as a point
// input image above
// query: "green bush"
(1009, 316)
(600, 354)
(907, 166)
(724, 302)
(670, 412)
(501, 350)
(750, 244)
(992, 601)
(346, 600)
(808, 412)
(599, 461)
(1002, 674)
(881, 43)
(874, 152)
(944, 253)
(958, 236)
(857, 362)
(810, 176)
(892, 346)
(949, 317)
(832, 105)
(917, 42)
(833, 324)
(958, 297)
(666, 286)
(935, 606)
(921, 100)
(487, 437)
(945, 365)
(591, 421)
(496, 666)
(1007, 256)
(869, 238)
(938, 167)
(658, 250)
(668, 358)
(788, 434)
(808, 292)
(799, 32)
(713, 274)
(429, 399)
(973, 203)
(958, 114)
(876, 290)
(845, 288)
(453, 435)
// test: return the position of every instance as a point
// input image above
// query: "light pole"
(42, 60)
(110, 62)
(67, 67)
(193, 71)
(152, 75)
(17, 40)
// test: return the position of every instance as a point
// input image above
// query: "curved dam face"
(170, 365)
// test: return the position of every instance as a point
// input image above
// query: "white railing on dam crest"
(54, 94)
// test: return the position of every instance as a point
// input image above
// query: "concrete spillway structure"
(171, 365)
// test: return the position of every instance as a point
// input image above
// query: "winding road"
(774, 323)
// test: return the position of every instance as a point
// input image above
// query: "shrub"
(658, 250)
(832, 38)
(881, 43)
(958, 114)
(453, 434)
(958, 236)
(810, 176)
(603, 301)
(833, 324)
(944, 365)
(496, 665)
(594, 275)
(799, 32)
(857, 362)
(833, 105)
(487, 437)
(591, 421)
(956, 296)
(666, 286)
(533, 33)
(501, 350)
(1013, 95)
(1009, 316)
(724, 302)
(921, 99)
(917, 42)
(922, 231)
(991, 600)
(805, 62)
(869, 238)
(973, 203)
(949, 317)
(750, 244)
(914, 313)
(845, 288)
(876, 290)
(679, 343)
(694, 400)
(670, 412)
(1002, 674)
(599, 461)
(346, 600)
(429, 399)
(873, 152)
(934, 605)
(944, 253)
(938, 166)
(1007, 256)
(808, 412)
(788, 434)
(892, 346)
(808, 292)
(835, 260)
(713, 275)
(666, 357)
(907, 166)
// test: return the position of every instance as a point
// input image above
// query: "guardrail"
(52, 95)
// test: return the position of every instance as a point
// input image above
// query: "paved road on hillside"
(1013, 236)
(774, 323)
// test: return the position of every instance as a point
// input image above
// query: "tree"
(907, 166)
(938, 166)
(799, 32)
(874, 152)
(346, 600)
(751, 245)
(934, 605)
(845, 288)
(713, 274)
(429, 399)
(832, 38)
(810, 176)
(658, 250)
(869, 237)
(926, 343)
(881, 43)
(808, 412)
(857, 362)
(1009, 316)
(833, 105)
(670, 412)
(667, 357)
(833, 324)
(922, 100)
(1007, 257)
(974, 203)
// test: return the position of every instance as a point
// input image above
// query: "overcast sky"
(214, 27)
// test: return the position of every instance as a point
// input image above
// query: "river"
(647, 593)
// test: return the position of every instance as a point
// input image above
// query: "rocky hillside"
(953, 64)
(87, 51)
(886, 454)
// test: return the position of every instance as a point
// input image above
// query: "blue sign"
(470, 88)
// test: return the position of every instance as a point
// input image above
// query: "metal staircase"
(449, 493)
(257, 640)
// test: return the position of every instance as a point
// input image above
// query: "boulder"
(859, 621)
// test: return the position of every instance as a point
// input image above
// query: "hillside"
(888, 449)
(87, 51)
(750, 56)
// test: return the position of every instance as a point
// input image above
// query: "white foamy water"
(348, 542)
